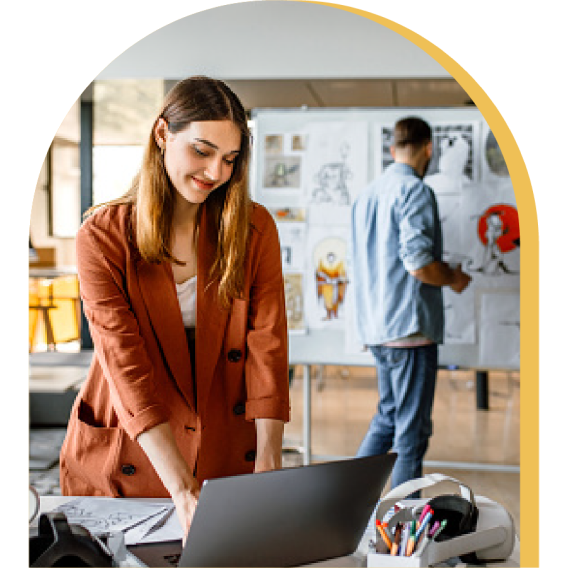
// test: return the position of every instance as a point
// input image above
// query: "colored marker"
(397, 537)
(442, 527)
(404, 542)
(411, 539)
(434, 528)
(423, 524)
(423, 544)
(424, 512)
(431, 536)
(384, 535)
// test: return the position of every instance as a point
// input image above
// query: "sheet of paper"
(104, 515)
(168, 529)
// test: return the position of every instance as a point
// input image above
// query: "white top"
(187, 300)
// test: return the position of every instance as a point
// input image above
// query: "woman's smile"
(203, 185)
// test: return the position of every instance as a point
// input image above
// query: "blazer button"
(250, 456)
(128, 469)
(234, 355)
(239, 409)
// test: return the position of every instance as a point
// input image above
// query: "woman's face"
(201, 158)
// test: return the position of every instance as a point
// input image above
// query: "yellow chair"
(39, 308)
(58, 301)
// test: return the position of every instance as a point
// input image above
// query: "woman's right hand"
(185, 502)
(160, 446)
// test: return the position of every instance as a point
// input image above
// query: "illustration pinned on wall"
(449, 208)
(455, 159)
(288, 214)
(294, 295)
(459, 316)
(499, 331)
(498, 230)
(327, 279)
(292, 245)
(493, 166)
(491, 233)
(283, 161)
(336, 165)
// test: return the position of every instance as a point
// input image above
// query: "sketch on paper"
(283, 172)
(292, 245)
(327, 279)
(282, 164)
(108, 514)
(331, 180)
(491, 235)
(499, 331)
(459, 316)
(494, 157)
(294, 296)
(273, 144)
(288, 214)
(499, 234)
(331, 282)
(336, 162)
(449, 208)
(498, 230)
(454, 155)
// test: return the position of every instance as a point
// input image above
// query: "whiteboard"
(308, 166)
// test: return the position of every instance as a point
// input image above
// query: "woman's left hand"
(269, 434)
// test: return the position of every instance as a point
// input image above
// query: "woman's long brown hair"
(152, 194)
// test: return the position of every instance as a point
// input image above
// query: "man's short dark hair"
(413, 132)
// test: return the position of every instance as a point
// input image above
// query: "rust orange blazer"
(140, 375)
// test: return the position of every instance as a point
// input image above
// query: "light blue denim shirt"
(395, 227)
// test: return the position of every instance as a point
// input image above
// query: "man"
(398, 277)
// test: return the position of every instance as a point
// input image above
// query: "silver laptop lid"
(288, 517)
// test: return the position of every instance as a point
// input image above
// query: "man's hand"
(462, 280)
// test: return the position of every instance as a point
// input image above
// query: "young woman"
(181, 282)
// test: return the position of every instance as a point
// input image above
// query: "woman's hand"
(185, 502)
(160, 446)
(269, 434)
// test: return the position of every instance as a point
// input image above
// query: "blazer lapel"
(211, 318)
(159, 294)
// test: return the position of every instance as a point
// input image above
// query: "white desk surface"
(50, 502)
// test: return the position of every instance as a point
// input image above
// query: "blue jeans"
(403, 423)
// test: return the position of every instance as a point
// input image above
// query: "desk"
(48, 503)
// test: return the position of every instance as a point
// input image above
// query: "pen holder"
(437, 552)
(478, 529)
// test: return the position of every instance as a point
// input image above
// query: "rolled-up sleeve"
(119, 347)
(266, 369)
(417, 227)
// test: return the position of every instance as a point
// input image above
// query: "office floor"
(344, 399)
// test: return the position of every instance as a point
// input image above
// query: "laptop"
(288, 517)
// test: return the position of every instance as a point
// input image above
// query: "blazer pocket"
(95, 448)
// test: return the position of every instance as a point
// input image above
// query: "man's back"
(396, 228)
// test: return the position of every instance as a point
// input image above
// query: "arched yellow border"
(529, 277)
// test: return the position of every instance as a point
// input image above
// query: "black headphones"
(61, 544)
(461, 516)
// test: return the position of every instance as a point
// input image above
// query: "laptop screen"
(287, 517)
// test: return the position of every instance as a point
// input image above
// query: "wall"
(269, 40)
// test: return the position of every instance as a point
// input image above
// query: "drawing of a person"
(498, 231)
(331, 284)
(493, 258)
(332, 181)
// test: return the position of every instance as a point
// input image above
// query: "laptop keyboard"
(173, 559)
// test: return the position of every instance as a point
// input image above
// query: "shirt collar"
(401, 168)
